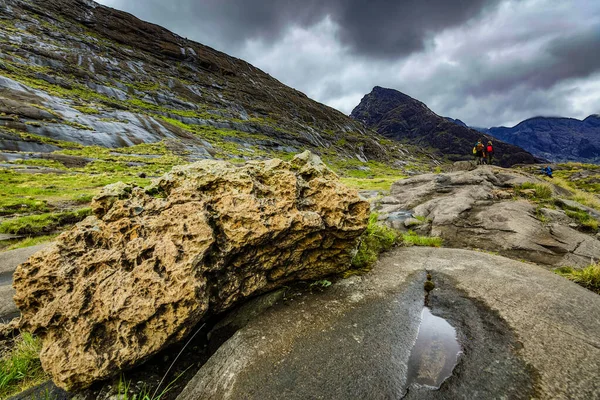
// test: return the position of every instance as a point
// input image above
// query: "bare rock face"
(475, 209)
(153, 262)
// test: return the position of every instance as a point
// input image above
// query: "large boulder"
(153, 262)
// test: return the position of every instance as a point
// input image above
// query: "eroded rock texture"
(153, 262)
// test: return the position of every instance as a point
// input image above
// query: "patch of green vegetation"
(413, 239)
(25, 192)
(539, 214)
(323, 283)
(42, 223)
(584, 219)
(588, 277)
(145, 148)
(31, 241)
(87, 110)
(77, 125)
(541, 191)
(578, 195)
(42, 139)
(376, 239)
(21, 369)
(371, 175)
(38, 162)
(18, 204)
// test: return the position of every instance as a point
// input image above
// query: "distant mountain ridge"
(555, 138)
(398, 116)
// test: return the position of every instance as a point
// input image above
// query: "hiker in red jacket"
(489, 151)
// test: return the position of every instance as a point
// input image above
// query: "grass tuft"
(584, 219)
(21, 368)
(412, 239)
(542, 191)
(588, 277)
(376, 239)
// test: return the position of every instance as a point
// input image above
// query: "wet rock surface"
(480, 209)
(9, 261)
(153, 262)
(354, 340)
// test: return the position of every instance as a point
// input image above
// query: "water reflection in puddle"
(435, 352)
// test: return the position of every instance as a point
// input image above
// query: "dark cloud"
(574, 55)
(384, 28)
(486, 62)
(376, 28)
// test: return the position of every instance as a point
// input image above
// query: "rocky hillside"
(73, 71)
(91, 96)
(556, 139)
(400, 117)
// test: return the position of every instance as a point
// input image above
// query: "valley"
(177, 224)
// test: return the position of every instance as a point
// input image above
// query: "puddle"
(400, 216)
(435, 353)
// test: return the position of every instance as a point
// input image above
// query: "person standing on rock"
(489, 151)
(479, 152)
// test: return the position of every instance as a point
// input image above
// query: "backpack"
(474, 150)
(479, 146)
(490, 149)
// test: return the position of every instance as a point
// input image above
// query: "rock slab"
(479, 209)
(525, 333)
(153, 262)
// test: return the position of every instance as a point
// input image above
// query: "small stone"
(142, 175)
(429, 286)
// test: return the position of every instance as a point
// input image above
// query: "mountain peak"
(399, 116)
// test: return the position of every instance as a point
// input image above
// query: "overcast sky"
(487, 62)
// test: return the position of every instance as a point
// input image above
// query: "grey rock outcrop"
(479, 209)
(354, 340)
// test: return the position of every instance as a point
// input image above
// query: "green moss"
(38, 162)
(87, 110)
(42, 223)
(376, 183)
(26, 192)
(42, 139)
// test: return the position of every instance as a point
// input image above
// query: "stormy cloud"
(487, 62)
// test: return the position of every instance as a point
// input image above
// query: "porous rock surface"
(480, 209)
(153, 262)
